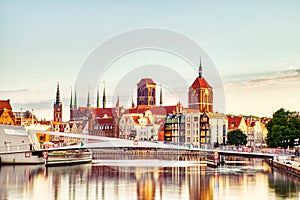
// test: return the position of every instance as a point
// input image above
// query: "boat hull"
(68, 158)
(22, 157)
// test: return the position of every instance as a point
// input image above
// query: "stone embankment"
(288, 165)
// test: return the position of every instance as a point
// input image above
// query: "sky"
(253, 45)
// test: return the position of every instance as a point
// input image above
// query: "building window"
(188, 139)
(188, 119)
(195, 119)
(188, 132)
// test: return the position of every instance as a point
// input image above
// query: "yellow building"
(6, 115)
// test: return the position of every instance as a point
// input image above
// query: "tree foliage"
(236, 137)
(283, 129)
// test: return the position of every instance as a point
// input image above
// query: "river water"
(148, 179)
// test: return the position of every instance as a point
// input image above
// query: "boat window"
(15, 132)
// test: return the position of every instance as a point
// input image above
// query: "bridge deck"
(106, 142)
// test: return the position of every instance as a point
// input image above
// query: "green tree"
(283, 129)
(236, 137)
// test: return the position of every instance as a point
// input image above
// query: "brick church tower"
(57, 107)
(201, 94)
(146, 92)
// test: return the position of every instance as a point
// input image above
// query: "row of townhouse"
(176, 125)
(253, 127)
(196, 128)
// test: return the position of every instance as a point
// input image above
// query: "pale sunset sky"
(254, 46)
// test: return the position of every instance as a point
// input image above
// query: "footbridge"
(100, 142)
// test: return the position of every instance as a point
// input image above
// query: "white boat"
(65, 157)
(17, 146)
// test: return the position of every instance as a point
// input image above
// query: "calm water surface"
(147, 179)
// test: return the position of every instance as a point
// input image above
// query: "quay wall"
(293, 169)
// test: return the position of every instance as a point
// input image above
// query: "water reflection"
(232, 181)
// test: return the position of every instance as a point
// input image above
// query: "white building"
(137, 126)
(204, 133)
(218, 128)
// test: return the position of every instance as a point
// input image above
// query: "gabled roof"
(136, 120)
(146, 81)
(200, 83)
(234, 122)
(170, 109)
(9, 112)
(156, 110)
(5, 104)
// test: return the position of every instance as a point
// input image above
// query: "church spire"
(88, 99)
(75, 99)
(57, 102)
(104, 96)
(98, 97)
(118, 102)
(160, 97)
(71, 99)
(200, 69)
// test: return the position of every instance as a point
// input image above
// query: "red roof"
(138, 109)
(136, 120)
(101, 112)
(156, 110)
(5, 104)
(200, 83)
(170, 109)
(146, 81)
(233, 122)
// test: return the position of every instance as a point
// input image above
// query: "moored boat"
(17, 146)
(65, 157)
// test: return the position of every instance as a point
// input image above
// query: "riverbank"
(290, 166)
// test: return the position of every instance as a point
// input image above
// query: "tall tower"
(201, 94)
(57, 107)
(146, 92)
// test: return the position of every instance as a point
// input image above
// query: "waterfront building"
(218, 128)
(250, 127)
(192, 127)
(137, 126)
(25, 118)
(264, 129)
(175, 129)
(205, 129)
(6, 115)
(237, 122)
(255, 132)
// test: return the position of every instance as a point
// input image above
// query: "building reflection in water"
(138, 182)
